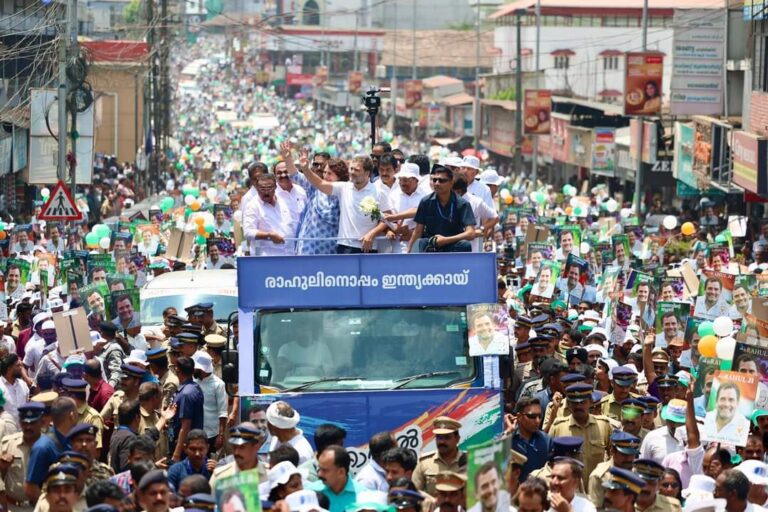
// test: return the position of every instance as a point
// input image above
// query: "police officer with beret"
(621, 490)
(82, 439)
(14, 457)
(245, 440)
(448, 457)
(649, 499)
(61, 483)
(624, 449)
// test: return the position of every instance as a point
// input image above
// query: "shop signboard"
(642, 83)
(749, 162)
(604, 151)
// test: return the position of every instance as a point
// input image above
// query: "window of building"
(561, 62)
(610, 63)
(760, 63)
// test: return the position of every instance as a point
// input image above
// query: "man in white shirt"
(566, 477)
(282, 420)
(269, 220)
(403, 199)
(669, 438)
(215, 400)
(14, 388)
(388, 169)
(485, 216)
(294, 195)
(255, 169)
(33, 351)
(469, 169)
(712, 304)
(361, 206)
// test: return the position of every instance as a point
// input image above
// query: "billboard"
(355, 82)
(642, 83)
(749, 162)
(604, 151)
(413, 93)
(537, 111)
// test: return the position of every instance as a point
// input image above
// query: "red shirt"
(24, 336)
(100, 395)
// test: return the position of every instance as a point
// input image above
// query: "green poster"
(487, 466)
(239, 493)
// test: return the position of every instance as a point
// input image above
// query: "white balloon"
(188, 199)
(725, 348)
(211, 194)
(584, 247)
(611, 205)
(723, 326)
(238, 216)
(104, 243)
(45, 192)
(574, 202)
(669, 222)
(625, 213)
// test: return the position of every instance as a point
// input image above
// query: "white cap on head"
(491, 177)
(303, 501)
(48, 324)
(203, 361)
(408, 170)
(472, 162)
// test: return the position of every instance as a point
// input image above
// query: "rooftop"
(440, 81)
(578, 5)
(431, 46)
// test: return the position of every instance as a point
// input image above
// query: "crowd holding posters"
(731, 403)
(488, 329)
(544, 286)
(486, 476)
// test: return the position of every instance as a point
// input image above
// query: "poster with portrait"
(104, 261)
(225, 245)
(95, 298)
(546, 280)
(705, 370)
(147, 239)
(14, 266)
(537, 110)
(731, 403)
(487, 466)
(634, 280)
(611, 284)
(715, 294)
(125, 307)
(118, 281)
(671, 321)
(121, 241)
(568, 242)
(753, 360)
(719, 257)
(239, 493)
(622, 251)
(748, 282)
(671, 288)
(488, 329)
(643, 73)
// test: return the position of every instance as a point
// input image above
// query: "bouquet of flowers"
(370, 207)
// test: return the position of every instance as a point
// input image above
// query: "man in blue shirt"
(444, 221)
(335, 481)
(47, 449)
(528, 439)
(195, 462)
(189, 402)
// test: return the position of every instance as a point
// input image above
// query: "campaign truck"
(370, 343)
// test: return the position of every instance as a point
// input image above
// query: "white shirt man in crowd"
(470, 167)
(269, 220)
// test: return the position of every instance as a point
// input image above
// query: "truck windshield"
(322, 350)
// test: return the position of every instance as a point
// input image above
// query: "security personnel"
(245, 440)
(623, 379)
(113, 354)
(200, 501)
(516, 462)
(214, 345)
(190, 342)
(564, 446)
(621, 490)
(556, 407)
(61, 484)
(76, 390)
(450, 491)
(540, 347)
(14, 455)
(594, 430)
(204, 313)
(650, 419)
(624, 450)
(82, 439)
(130, 380)
(649, 499)
(160, 368)
(448, 457)
(632, 410)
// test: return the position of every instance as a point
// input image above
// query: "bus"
(371, 343)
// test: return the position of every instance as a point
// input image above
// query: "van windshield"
(321, 350)
(152, 308)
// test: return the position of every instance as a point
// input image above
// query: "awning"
(18, 116)
(445, 141)
(457, 99)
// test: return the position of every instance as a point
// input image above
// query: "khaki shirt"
(150, 419)
(661, 504)
(169, 383)
(215, 329)
(561, 412)
(231, 469)
(596, 479)
(109, 412)
(430, 464)
(545, 473)
(596, 435)
(43, 506)
(612, 407)
(13, 479)
(99, 471)
(89, 415)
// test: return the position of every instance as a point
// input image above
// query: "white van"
(185, 288)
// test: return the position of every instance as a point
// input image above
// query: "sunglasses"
(375, 157)
(440, 180)
(317, 164)
(670, 485)
(532, 415)
(400, 160)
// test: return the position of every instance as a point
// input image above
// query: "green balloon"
(92, 238)
(179, 166)
(721, 239)
(102, 230)
(209, 228)
(200, 239)
(194, 192)
(2, 226)
(166, 204)
(706, 328)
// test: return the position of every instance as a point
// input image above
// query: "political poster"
(671, 321)
(671, 288)
(537, 111)
(239, 493)
(487, 466)
(544, 286)
(95, 298)
(568, 242)
(753, 360)
(704, 371)
(124, 308)
(715, 294)
(731, 403)
(17, 269)
(642, 83)
(488, 329)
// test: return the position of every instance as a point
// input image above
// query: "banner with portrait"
(731, 404)
(488, 329)
(239, 493)
(487, 466)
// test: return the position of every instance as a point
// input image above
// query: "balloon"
(611, 205)
(669, 222)
(211, 194)
(194, 192)
(625, 213)
(209, 228)
(104, 243)
(568, 211)
(706, 329)
(166, 204)
(45, 192)
(199, 221)
(504, 193)
(195, 205)
(508, 200)
(584, 247)
(2, 226)
(688, 229)
(179, 166)
(534, 196)
(725, 348)
(3, 235)
(541, 197)
(188, 199)
(723, 326)
(201, 230)
(708, 346)
(92, 239)
(200, 240)
(721, 239)
(577, 211)
(102, 230)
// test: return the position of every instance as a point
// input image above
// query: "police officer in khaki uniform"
(82, 439)
(650, 416)
(62, 481)
(202, 314)
(563, 446)
(632, 410)
(624, 449)
(556, 407)
(130, 380)
(594, 430)
(76, 390)
(14, 457)
(245, 440)
(448, 457)
(450, 491)
(160, 368)
(623, 378)
(214, 345)
(649, 499)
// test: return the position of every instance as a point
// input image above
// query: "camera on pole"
(372, 102)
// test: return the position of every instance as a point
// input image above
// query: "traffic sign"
(60, 206)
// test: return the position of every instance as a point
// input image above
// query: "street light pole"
(519, 96)
(476, 100)
(413, 71)
(638, 196)
(535, 163)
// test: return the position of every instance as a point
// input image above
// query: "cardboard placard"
(180, 245)
(72, 331)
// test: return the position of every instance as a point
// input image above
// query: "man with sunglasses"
(444, 221)
(528, 438)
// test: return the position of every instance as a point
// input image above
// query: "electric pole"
(519, 13)
(638, 199)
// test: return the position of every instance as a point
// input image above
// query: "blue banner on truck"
(370, 280)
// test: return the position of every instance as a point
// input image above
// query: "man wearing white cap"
(469, 169)
(34, 348)
(214, 400)
(404, 200)
(281, 422)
